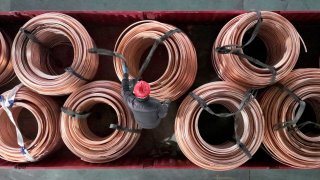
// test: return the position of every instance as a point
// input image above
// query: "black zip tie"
(249, 95)
(32, 37)
(73, 72)
(236, 49)
(125, 129)
(153, 49)
(302, 106)
(78, 115)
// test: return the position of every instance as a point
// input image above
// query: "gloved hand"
(167, 101)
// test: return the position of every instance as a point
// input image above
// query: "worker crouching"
(147, 111)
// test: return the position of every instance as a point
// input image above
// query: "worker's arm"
(126, 93)
(163, 109)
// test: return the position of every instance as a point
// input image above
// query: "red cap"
(141, 89)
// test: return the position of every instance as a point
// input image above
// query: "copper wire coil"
(30, 59)
(6, 69)
(282, 43)
(292, 147)
(182, 60)
(224, 156)
(48, 139)
(79, 138)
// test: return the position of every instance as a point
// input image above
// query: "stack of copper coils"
(6, 69)
(31, 50)
(288, 144)
(47, 140)
(78, 137)
(224, 156)
(276, 121)
(182, 63)
(282, 42)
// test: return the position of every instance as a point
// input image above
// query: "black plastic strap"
(245, 101)
(236, 49)
(242, 146)
(247, 98)
(302, 125)
(73, 72)
(117, 127)
(257, 62)
(256, 28)
(32, 37)
(78, 115)
(228, 48)
(106, 52)
(153, 49)
(302, 106)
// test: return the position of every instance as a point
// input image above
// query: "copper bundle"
(46, 112)
(227, 155)
(31, 53)
(182, 63)
(77, 135)
(288, 144)
(282, 42)
(6, 69)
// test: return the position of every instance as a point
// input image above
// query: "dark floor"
(13, 5)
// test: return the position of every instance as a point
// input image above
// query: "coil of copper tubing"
(282, 43)
(46, 113)
(292, 147)
(227, 155)
(30, 55)
(6, 69)
(81, 140)
(182, 60)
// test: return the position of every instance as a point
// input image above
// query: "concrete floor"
(7, 5)
(160, 4)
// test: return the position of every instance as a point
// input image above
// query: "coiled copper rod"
(228, 155)
(286, 145)
(182, 63)
(6, 69)
(30, 55)
(282, 42)
(46, 113)
(78, 137)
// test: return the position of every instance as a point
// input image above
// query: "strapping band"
(242, 146)
(302, 106)
(78, 115)
(300, 126)
(73, 72)
(7, 103)
(236, 49)
(153, 49)
(117, 127)
(32, 37)
(249, 95)
(106, 52)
